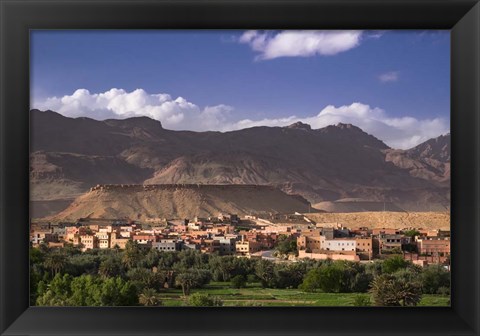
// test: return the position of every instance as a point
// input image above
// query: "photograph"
(240, 168)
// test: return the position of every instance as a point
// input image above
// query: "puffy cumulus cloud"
(215, 117)
(391, 76)
(176, 113)
(180, 114)
(300, 43)
(404, 132)
(401, 133)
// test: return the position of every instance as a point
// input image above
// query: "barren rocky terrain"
(325, 166)
(388, 219)
(139, 202)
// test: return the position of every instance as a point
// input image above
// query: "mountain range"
(328, 166)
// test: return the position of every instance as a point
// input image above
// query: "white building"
(103, 239)
(339, 244)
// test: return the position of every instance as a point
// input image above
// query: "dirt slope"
(399, 220)
(180, 201)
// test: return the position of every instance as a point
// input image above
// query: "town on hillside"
(277, 237)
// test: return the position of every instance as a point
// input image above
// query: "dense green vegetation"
(286, 245)
(136, 276)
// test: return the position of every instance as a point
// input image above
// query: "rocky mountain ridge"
(69, 156)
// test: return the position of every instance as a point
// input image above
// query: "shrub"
(251, 278)
(393, 264)
(361, 301)
(311, 282)
(387, 290)
(238, 281)
(443, 291)
(149, 297)
(203, 300)
(433, 278)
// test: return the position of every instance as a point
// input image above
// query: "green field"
(255, 295)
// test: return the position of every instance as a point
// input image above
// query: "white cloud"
(214, 117)
(375, 34)
(391, 76)
(180, 114)
(300, 43)
(402, 133)
(175, 113)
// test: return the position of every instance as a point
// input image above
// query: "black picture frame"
(17, 17)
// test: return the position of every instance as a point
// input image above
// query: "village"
(252, 237)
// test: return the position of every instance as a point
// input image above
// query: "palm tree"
(109, 267)
(149, 297)
(388, 290)
(55, 262)
(131, 255)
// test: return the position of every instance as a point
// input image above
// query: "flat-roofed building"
(340, 244)
(106, 228)
(88, 242)
(377, 232)
(144, 239)
(43, 236)
(310, 243)
(168, 245)
(191, 246)
(364, 247)
(72, 231)
(227, 245)
(390, 242)
(327, 232)
(125, 234)
(246, 247)
(61, 232)
(117, 240)
(103, 239)
(433, 245)
(210, 246)
(438, 233)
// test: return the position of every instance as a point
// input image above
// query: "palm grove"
(137, 276)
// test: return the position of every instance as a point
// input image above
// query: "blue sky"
(393, 84)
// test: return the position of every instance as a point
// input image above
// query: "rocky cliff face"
(429, 160)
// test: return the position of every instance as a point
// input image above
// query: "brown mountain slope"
(180, 201)
(56, 175)
(71, 155)
(429, 160)
(436, 149)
